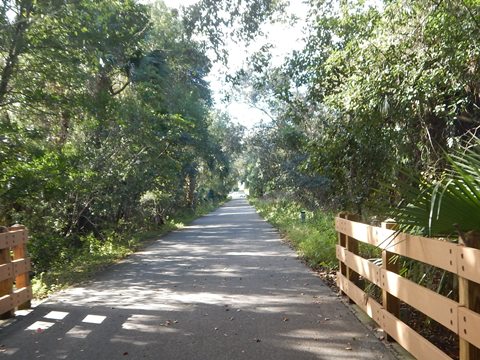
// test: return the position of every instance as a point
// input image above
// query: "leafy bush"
(315, 239)
(58, 265)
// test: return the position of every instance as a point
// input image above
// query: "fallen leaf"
(125, 353)
(285, 319)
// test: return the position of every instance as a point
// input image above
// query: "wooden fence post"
(352, 246)
(390, 302)
(22, 280)
(342, 241)
(469, 297)
(6, 286)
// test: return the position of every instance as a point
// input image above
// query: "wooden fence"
(461, 318)
(15, 289)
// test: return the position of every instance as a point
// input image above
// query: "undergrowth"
(94, 255)
(314, 239)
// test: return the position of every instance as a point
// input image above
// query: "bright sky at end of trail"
(284, 37)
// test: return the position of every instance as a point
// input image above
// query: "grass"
(95, 255)
(314, 239)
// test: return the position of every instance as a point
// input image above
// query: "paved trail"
(223, 288)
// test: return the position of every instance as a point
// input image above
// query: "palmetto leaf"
(443, 207)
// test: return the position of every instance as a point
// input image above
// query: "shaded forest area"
(379, 89)
(106, 127)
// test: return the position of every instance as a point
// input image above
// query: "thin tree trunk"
(16, 47)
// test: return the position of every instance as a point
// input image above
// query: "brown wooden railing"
(461, 317)
(15, 289)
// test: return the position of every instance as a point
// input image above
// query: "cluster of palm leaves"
(448, 206)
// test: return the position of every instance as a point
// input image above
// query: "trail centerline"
(224, 287)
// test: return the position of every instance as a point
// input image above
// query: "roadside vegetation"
(80, 264)
(108, 132)
(314, 239)
(368, 116)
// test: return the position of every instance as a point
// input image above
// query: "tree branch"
(113, 92)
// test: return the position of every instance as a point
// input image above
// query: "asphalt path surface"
(225, 287)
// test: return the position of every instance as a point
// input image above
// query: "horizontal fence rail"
(462, 317)
(15, 289)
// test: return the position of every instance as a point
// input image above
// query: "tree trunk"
(16, 47)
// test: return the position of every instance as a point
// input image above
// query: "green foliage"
(449, 205)
(315, 239)
(75, 264)
(378, 87)
(275, 161)
(106, 128)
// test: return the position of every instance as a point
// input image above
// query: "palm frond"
(440, 208)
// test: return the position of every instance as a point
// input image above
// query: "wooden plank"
(342, 241)
(20, 266)
(13, 238)
(22, 276)
(468, 263)
(469, 325)
(439, 253)
(389, 302)
(438, 307)
(22, 296)
(6, 286)
(4, 240)
(415, 344)
(352, 247)
(341, 253)
(362, 266)
(20, 253)
(468, 294)
(18, 237)
(6, 304)
(362, 232)
(6, 272)
(366, 303)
